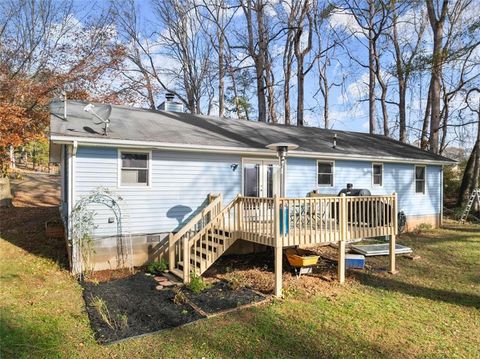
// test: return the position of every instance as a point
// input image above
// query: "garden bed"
(132, 306)
(220, 297)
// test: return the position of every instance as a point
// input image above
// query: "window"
(325, 173)
(377, 174)
(420, 179)
(134, 168)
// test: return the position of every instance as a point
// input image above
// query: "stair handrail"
(213, 207)
(190, 241)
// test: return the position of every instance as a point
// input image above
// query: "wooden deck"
(279, 223)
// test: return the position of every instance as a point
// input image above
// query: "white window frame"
(332, 162)
(373, 174)
(424, 180)
(149, 167)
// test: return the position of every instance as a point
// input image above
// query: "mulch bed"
(146, 309)
(135, 307)
(220, 297)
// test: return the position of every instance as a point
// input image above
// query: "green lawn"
(430, 309)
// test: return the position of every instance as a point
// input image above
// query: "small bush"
(179, 298)
(422, 228)
(197, 284)
(101, 306)
(157, 267)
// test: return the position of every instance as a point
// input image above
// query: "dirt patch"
(131, 307)
(220, 297)
(109, 275)
(256, 271)
(35, 189)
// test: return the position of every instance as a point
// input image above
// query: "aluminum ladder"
(475, 194)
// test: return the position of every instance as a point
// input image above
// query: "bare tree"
(372, 17)
(405, 53)
(437, 20)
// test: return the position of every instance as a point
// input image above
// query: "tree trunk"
(326, 120)
(300, 92)
(436, 89)
(470, 179)
(221, 75)
(436, 73)
(402, 93)
(424, 135)
(371, 67)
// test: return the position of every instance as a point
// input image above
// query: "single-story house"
(164, 165)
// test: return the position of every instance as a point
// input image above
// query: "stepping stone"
(160, 279)
(168, 284)
(159, 287)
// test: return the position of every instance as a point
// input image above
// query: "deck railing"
(303, 221)
(198, 222)
(278, 222)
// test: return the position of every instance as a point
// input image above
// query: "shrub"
(197, 284)
(422, 228)
(157, 267)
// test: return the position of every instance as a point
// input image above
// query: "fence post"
(343, 234)
(239, 226)
(278, 247)
(391, 247)
(186, 261)
(171, 252)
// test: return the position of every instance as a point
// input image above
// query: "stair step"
(202, 251)
(177, 272)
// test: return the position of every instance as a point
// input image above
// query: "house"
(165, 166)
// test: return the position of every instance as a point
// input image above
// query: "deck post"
(186, 261)
(392, 269)
(278, 247)
(343, 237)
(341, 261)
(171, 252)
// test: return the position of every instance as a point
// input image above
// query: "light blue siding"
(181, 182)
(301, 179)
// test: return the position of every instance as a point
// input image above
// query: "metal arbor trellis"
(82, 226)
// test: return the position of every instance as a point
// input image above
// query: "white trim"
(119, 167)
(373, 175)
(424, 180)
(110, 142)
(332, 162)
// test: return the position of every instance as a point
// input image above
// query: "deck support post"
(391, 250)
(341, 261)
(186, 262)
(171, 252)
(278, 248)
(278, 271)
(343, 237)
(391, 247)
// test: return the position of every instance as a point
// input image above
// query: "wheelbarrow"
(301, 260)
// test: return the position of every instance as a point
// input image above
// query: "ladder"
(475, 194)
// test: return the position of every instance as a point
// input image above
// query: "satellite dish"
(102, 113)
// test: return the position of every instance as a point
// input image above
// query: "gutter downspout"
(72, 154)
(442, 189)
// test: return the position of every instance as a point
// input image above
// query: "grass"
(430, 309)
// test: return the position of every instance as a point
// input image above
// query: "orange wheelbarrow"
(301, 260)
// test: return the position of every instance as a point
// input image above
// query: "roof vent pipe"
(335, 140)
(169, 96)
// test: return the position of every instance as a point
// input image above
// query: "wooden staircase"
(203, 239)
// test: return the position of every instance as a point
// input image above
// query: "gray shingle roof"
(187, 129)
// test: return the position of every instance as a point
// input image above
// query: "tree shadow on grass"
(463, 299)
(265, 333)
(25, 339)
(24, 227)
